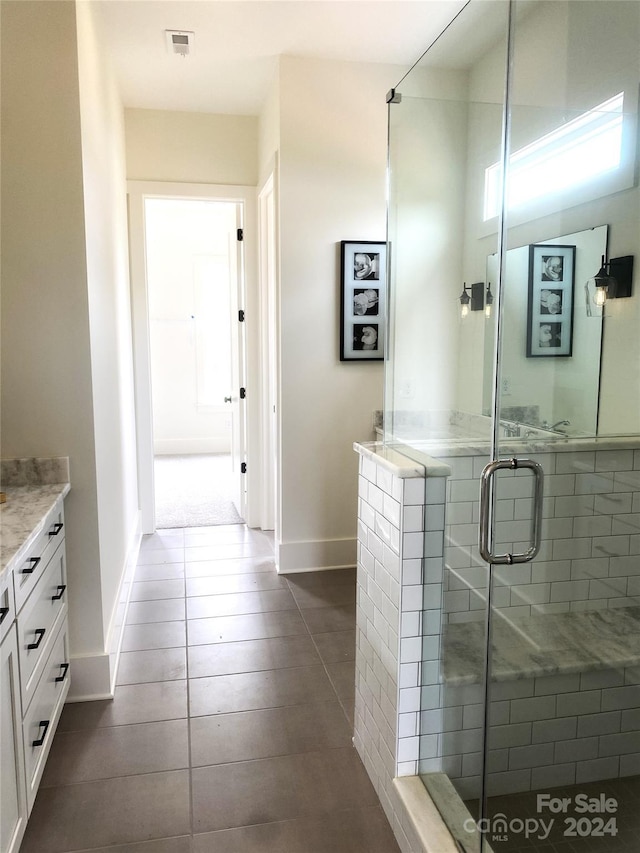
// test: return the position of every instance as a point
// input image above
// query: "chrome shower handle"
(485, 508)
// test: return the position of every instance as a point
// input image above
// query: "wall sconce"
(475, 302)
(488, 301)
(614, 279)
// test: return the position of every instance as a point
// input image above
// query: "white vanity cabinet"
(13, 792)
(34, 670)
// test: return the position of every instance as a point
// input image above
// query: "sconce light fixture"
(613, 280)
(488, 301)
(473, 302)
(465, 299)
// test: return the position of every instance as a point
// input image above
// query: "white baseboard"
(90, 678)
(186, 446)
(94, 676)
(320, 554)
(121, 608)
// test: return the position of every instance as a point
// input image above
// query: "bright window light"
(578, 151)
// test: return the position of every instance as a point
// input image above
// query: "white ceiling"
(237, 43)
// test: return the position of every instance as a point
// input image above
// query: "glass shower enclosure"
(513, 372)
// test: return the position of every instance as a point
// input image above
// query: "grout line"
(349, 721)
(186, 653)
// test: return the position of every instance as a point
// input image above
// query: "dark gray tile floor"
(230, 730)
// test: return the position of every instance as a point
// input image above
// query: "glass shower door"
(562, 759)
(525, 647)
(446, 129)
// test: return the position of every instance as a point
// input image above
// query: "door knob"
(227, 399)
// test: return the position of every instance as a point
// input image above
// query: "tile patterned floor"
(230, 731)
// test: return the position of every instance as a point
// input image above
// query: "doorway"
(192, 272)
(188, 290)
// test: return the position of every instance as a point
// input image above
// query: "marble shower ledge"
(470, 446)
(399, 464)
(29, 502)
(543, 645)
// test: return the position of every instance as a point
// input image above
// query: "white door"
(238, 368)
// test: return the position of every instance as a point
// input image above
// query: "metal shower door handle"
(485, 507)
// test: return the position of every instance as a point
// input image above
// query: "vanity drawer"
(7, 605)
(41, 719)
(27, 574)
(39, 621)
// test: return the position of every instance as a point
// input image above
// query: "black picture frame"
(550, 301)
(363, 287)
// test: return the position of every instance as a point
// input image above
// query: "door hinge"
(241, 316)
(240, 234)
(243, 467)
(243, 393)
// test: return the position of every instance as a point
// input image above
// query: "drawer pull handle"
(44, 725)
(64, 667)
(34, 565)
(39, 632)
(57, 527)
(3, 613)
(61, 588)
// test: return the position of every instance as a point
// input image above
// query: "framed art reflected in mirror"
(550, 302)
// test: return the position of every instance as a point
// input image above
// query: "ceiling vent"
(179, 42)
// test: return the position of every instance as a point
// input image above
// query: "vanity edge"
(28, 505)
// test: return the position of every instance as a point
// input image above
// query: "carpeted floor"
(194, 491)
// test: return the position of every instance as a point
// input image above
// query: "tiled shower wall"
(415, 570)
(546, 731)
(590, 553)
(394, 527)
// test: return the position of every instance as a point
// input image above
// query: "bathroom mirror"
(558, 393)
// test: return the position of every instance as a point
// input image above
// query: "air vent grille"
(179, 42)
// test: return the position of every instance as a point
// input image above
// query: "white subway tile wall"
(419, 568)
(399, 607)
(590, 554)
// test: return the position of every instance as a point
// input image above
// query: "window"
(577, 152)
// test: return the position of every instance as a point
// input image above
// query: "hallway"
(230, 731)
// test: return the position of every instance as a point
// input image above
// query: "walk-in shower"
(499, 555)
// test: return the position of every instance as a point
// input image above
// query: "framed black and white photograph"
(363, 267)
(550, 304)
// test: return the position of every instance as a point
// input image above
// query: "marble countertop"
(545, 644)
(33, 487)
(22, 519)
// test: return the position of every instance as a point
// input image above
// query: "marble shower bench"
(565, 704)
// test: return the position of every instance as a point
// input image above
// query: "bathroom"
(443, 380)
(499, 514)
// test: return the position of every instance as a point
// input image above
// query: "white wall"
(332, 165)
(102, 132)
(66, 362)
(269, 130)
(47, 403)
(191, 147)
